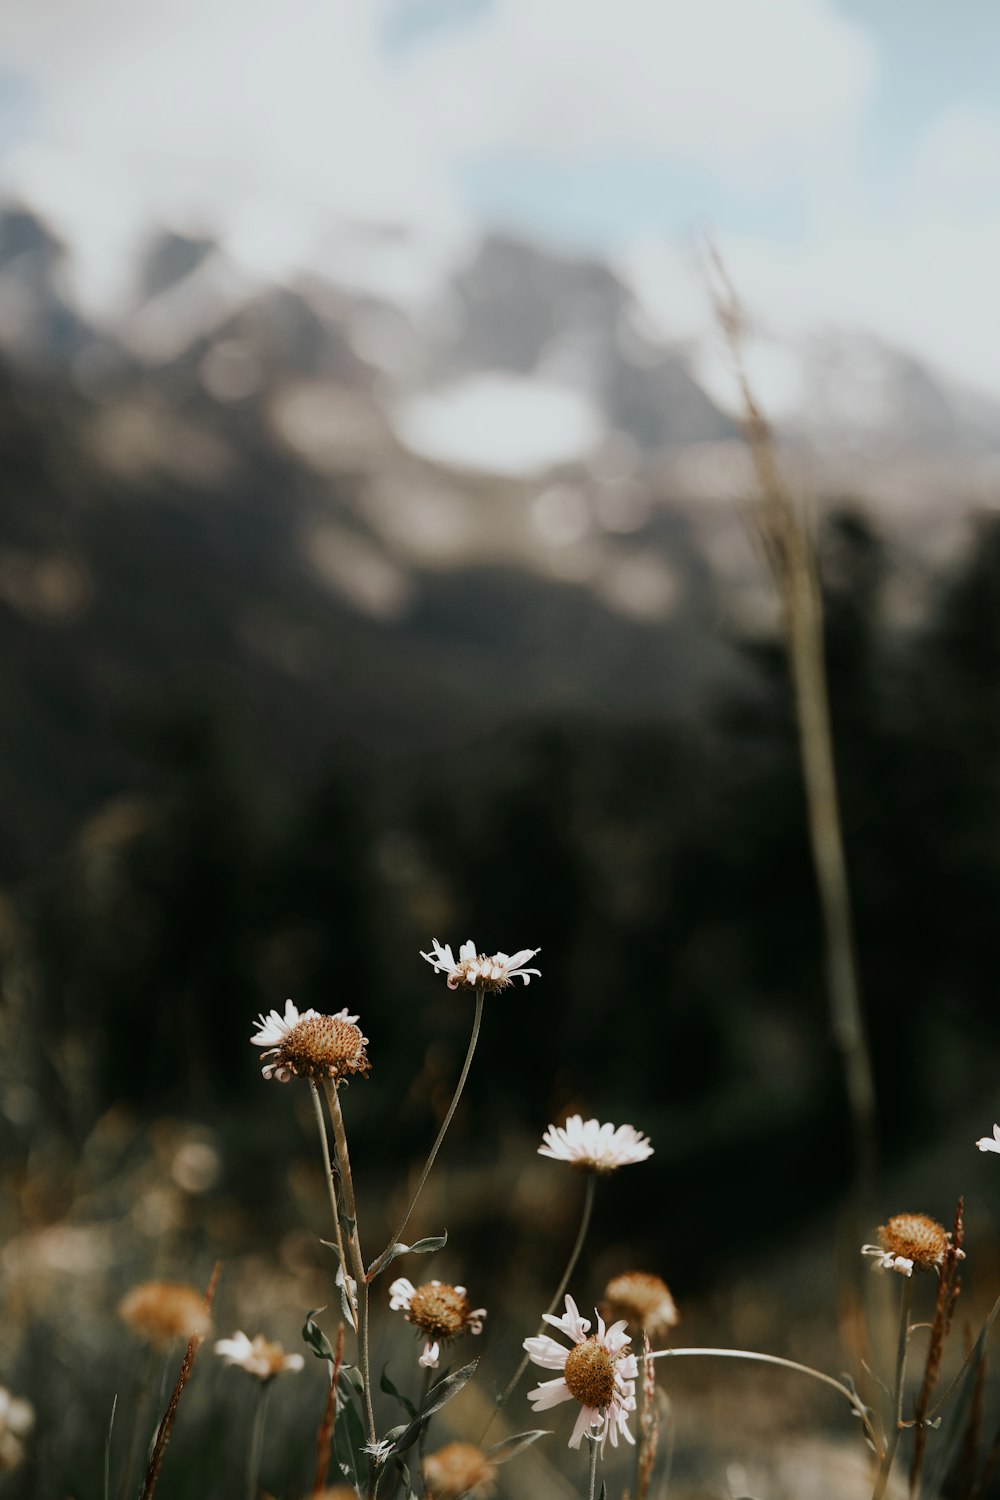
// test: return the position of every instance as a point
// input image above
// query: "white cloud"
(737, 86)
(272, 118)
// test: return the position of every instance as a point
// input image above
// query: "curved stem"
(354, 1248)
(332, 1189)
(380, 1260)
(773, 1359)
(885, 1468)
(574, 1256)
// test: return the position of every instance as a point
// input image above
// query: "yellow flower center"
(440, 1311)
(915, 1236)
(323, 1047)
(590, 1374)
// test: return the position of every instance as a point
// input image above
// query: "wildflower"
(474, 970)
(592, 1147)
(17, 1418)
(439, 1310)
(908, 1240)
(458, 1469)
(643, 1300)
(990, 1142)
(596, 1372)
(161, 1311)
(259, 1357)
(309, 1045)
(379, 1450)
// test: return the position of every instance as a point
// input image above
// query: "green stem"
(885, 1468)
(425, 1386)
(332, 1190)
(354, 1248)
(774, 1359)
(640, 1410)
(592, 1485)
(588, 1208)
(380, 1260)
(257, 1440)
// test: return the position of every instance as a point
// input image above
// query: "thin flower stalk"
(332, 1190)
(648, 1424)
(592, 1482)
(383, 1258)
(166, 1425)
(574, 1256)
(899, 1385)
(784, 1364)
(948, 1290)
(256, 1450)
(790, 551)
(354, 1249)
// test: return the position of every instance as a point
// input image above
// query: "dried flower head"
(162, 1311)
(258, 1356)
(597, 1372)
(480, 970)
(439, 1310)
(590, 1146)
(643, 1300)
(309, 1045)
(990, 1142)
(17, 1418)
(458, 1469)
(908, 1240)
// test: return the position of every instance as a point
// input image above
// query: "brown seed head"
(321, 1047)
(164, 1310)
(918, 1238)
(457, 1469)
(439, 1310)
(643, 1300)
(590, 1374)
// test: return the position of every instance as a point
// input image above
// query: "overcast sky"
(845, 153)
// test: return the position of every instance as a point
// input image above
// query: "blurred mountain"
(279, 498)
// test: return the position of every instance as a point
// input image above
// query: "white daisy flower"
(491, 972)
(592, 1147)
(990, 1142)
(908, 1240)
(257, 1356)
(439, 1310)
(597, 1372)
(309, 1045)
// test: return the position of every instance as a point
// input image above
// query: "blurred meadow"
(383, 560)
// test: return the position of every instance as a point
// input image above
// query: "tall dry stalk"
(782, 523)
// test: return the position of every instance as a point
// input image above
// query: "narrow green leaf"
(425, 1246)
(349, 1440)
(438, 1395)
(508, 1448)
(315, 1337)
(443, 1392)
(390, 1390)
(604, 1491)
